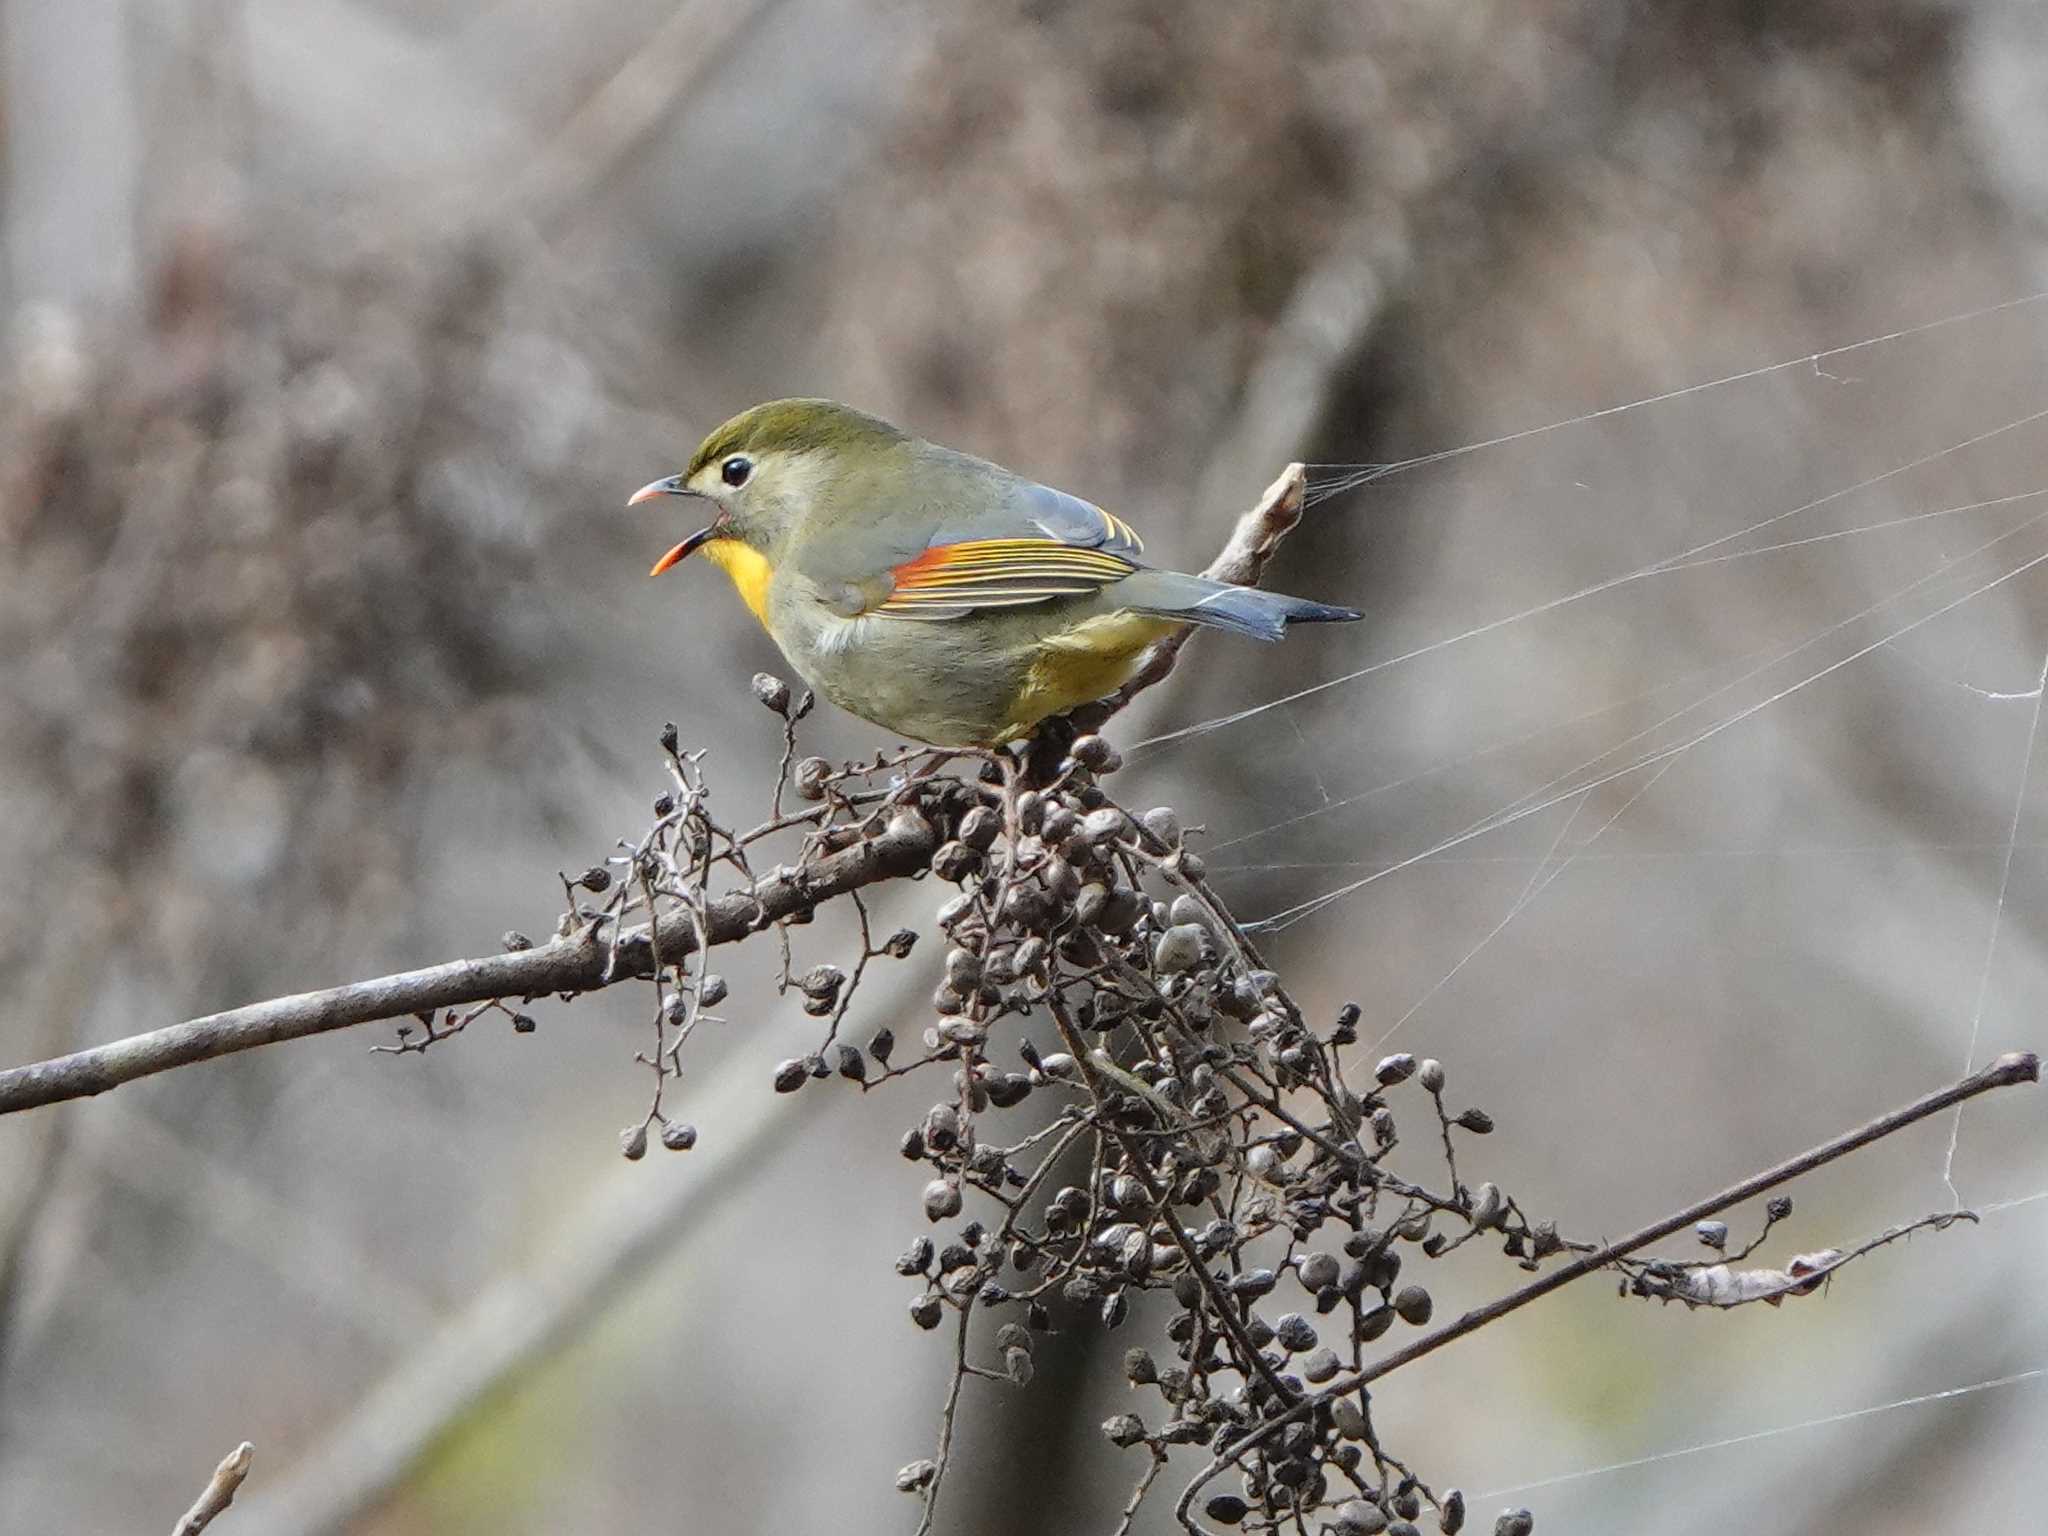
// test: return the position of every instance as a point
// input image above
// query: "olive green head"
(765, 468)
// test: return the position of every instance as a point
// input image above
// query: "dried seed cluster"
(1136, 1113)
(1205, 1142)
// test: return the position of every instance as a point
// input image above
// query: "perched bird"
(936, 594)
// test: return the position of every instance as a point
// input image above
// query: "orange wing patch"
(948, 580)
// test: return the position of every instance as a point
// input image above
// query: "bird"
(935, 594)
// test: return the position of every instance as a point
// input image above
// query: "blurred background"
(339, 331)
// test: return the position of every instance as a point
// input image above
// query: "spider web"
(1851, 756)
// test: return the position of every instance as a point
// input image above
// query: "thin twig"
(219, 1492)
(2010, 1069)
(1157, 1466)
(946, 1421)
(1252, 542)
(1715, 1285)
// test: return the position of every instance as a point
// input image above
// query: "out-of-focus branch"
(623, 113)
(219, 1492)
(580, 963)
(520, 1320)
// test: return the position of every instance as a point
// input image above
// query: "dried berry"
(1318, 1270)
(1179, 949)
(1226, 1509)
(1058, 826)
(812, 776)
(1358, 1518)
(678, 1137)
(1126, 1429)
(941, 1199)
(1104, 825)
(821, 981)
(963, 969)
(772, 692)
(790, 1075)
(1397, 1068)
(956, 862)
(916, 1477)
(1450, 1512)
(633, 1142)
(1162, 825)
(1489, 1207)
(1294, 1332)
(1059, 1065)
(1006, 1088)
(1414, 1305)
(979, 828)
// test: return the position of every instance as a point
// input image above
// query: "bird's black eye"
(735, 470)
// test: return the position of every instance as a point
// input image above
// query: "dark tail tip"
(1301, 611)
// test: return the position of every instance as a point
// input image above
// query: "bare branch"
(2010, 1069)
(572, 965)
(1243, 561)
(525, 1317)
(219, 1492)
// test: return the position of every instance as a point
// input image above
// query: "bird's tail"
(1247, 610)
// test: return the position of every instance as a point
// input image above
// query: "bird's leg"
(904, 786)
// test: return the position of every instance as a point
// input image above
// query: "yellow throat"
(748, 569)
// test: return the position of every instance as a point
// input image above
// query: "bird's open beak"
(682, 550)
(671, 486)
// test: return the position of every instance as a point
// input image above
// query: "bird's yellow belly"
(980, 680)
(1080, 665)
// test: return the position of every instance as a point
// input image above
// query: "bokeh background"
(338, 332)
